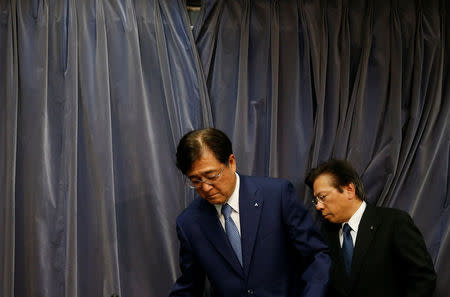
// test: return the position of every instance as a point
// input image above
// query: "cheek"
(223, 189)
(331, 208)
(200, 193)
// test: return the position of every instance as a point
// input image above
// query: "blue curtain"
(94, 96)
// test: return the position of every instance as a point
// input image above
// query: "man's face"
(334, 205)
(222, 188)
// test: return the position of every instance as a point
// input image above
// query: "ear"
(350, 190)
(232, 162)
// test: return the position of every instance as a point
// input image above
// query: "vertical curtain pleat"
(9, 95)
(38, 154)
(273, 90)
(97, 236)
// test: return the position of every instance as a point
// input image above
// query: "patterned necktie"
(347, 247)
(232, 231)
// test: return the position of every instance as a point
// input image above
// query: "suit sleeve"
(307, 241)
(417, 266)
(192, 279)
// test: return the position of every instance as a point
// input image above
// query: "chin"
(329, 219)
(214, 200)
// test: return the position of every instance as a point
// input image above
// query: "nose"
(319, 205)
(205, 187)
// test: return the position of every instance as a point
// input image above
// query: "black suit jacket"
(389, 259)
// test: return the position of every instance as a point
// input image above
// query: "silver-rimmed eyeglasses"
(319, 198)
(209, 180)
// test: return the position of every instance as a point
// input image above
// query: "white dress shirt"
(353, 223)
(233, 201)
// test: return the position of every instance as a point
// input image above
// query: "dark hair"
(194, 143)
(342, 173)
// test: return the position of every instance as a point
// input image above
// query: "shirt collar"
(356, 217)
(233, 201)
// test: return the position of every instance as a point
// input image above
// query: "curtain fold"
(95, 95)
(8, 149)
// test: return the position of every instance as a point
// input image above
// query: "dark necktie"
(347, 247)
(232, 231)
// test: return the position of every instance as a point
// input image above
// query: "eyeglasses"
(319, 198)
(209, 180)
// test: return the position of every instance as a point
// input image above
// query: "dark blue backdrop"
(94, 96)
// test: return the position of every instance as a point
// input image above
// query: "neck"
(355, 206)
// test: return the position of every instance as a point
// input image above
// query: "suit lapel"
(250, 207)
(366, 232)
(210, 224)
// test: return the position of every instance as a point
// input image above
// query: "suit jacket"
(389, 258)
(282, 251)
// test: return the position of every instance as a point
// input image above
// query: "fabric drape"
(94, 96)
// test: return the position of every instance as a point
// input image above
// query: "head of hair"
(342, 174)
(193, 144)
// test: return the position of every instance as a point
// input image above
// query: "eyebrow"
(202, 173)
(320, 193)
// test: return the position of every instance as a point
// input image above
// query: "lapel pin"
(256, 204)
(372, 228)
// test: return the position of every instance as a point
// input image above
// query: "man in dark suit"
(375, 251)
(249, 236)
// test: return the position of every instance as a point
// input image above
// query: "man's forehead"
(205, 164)
(323, 182)
(201, 171)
